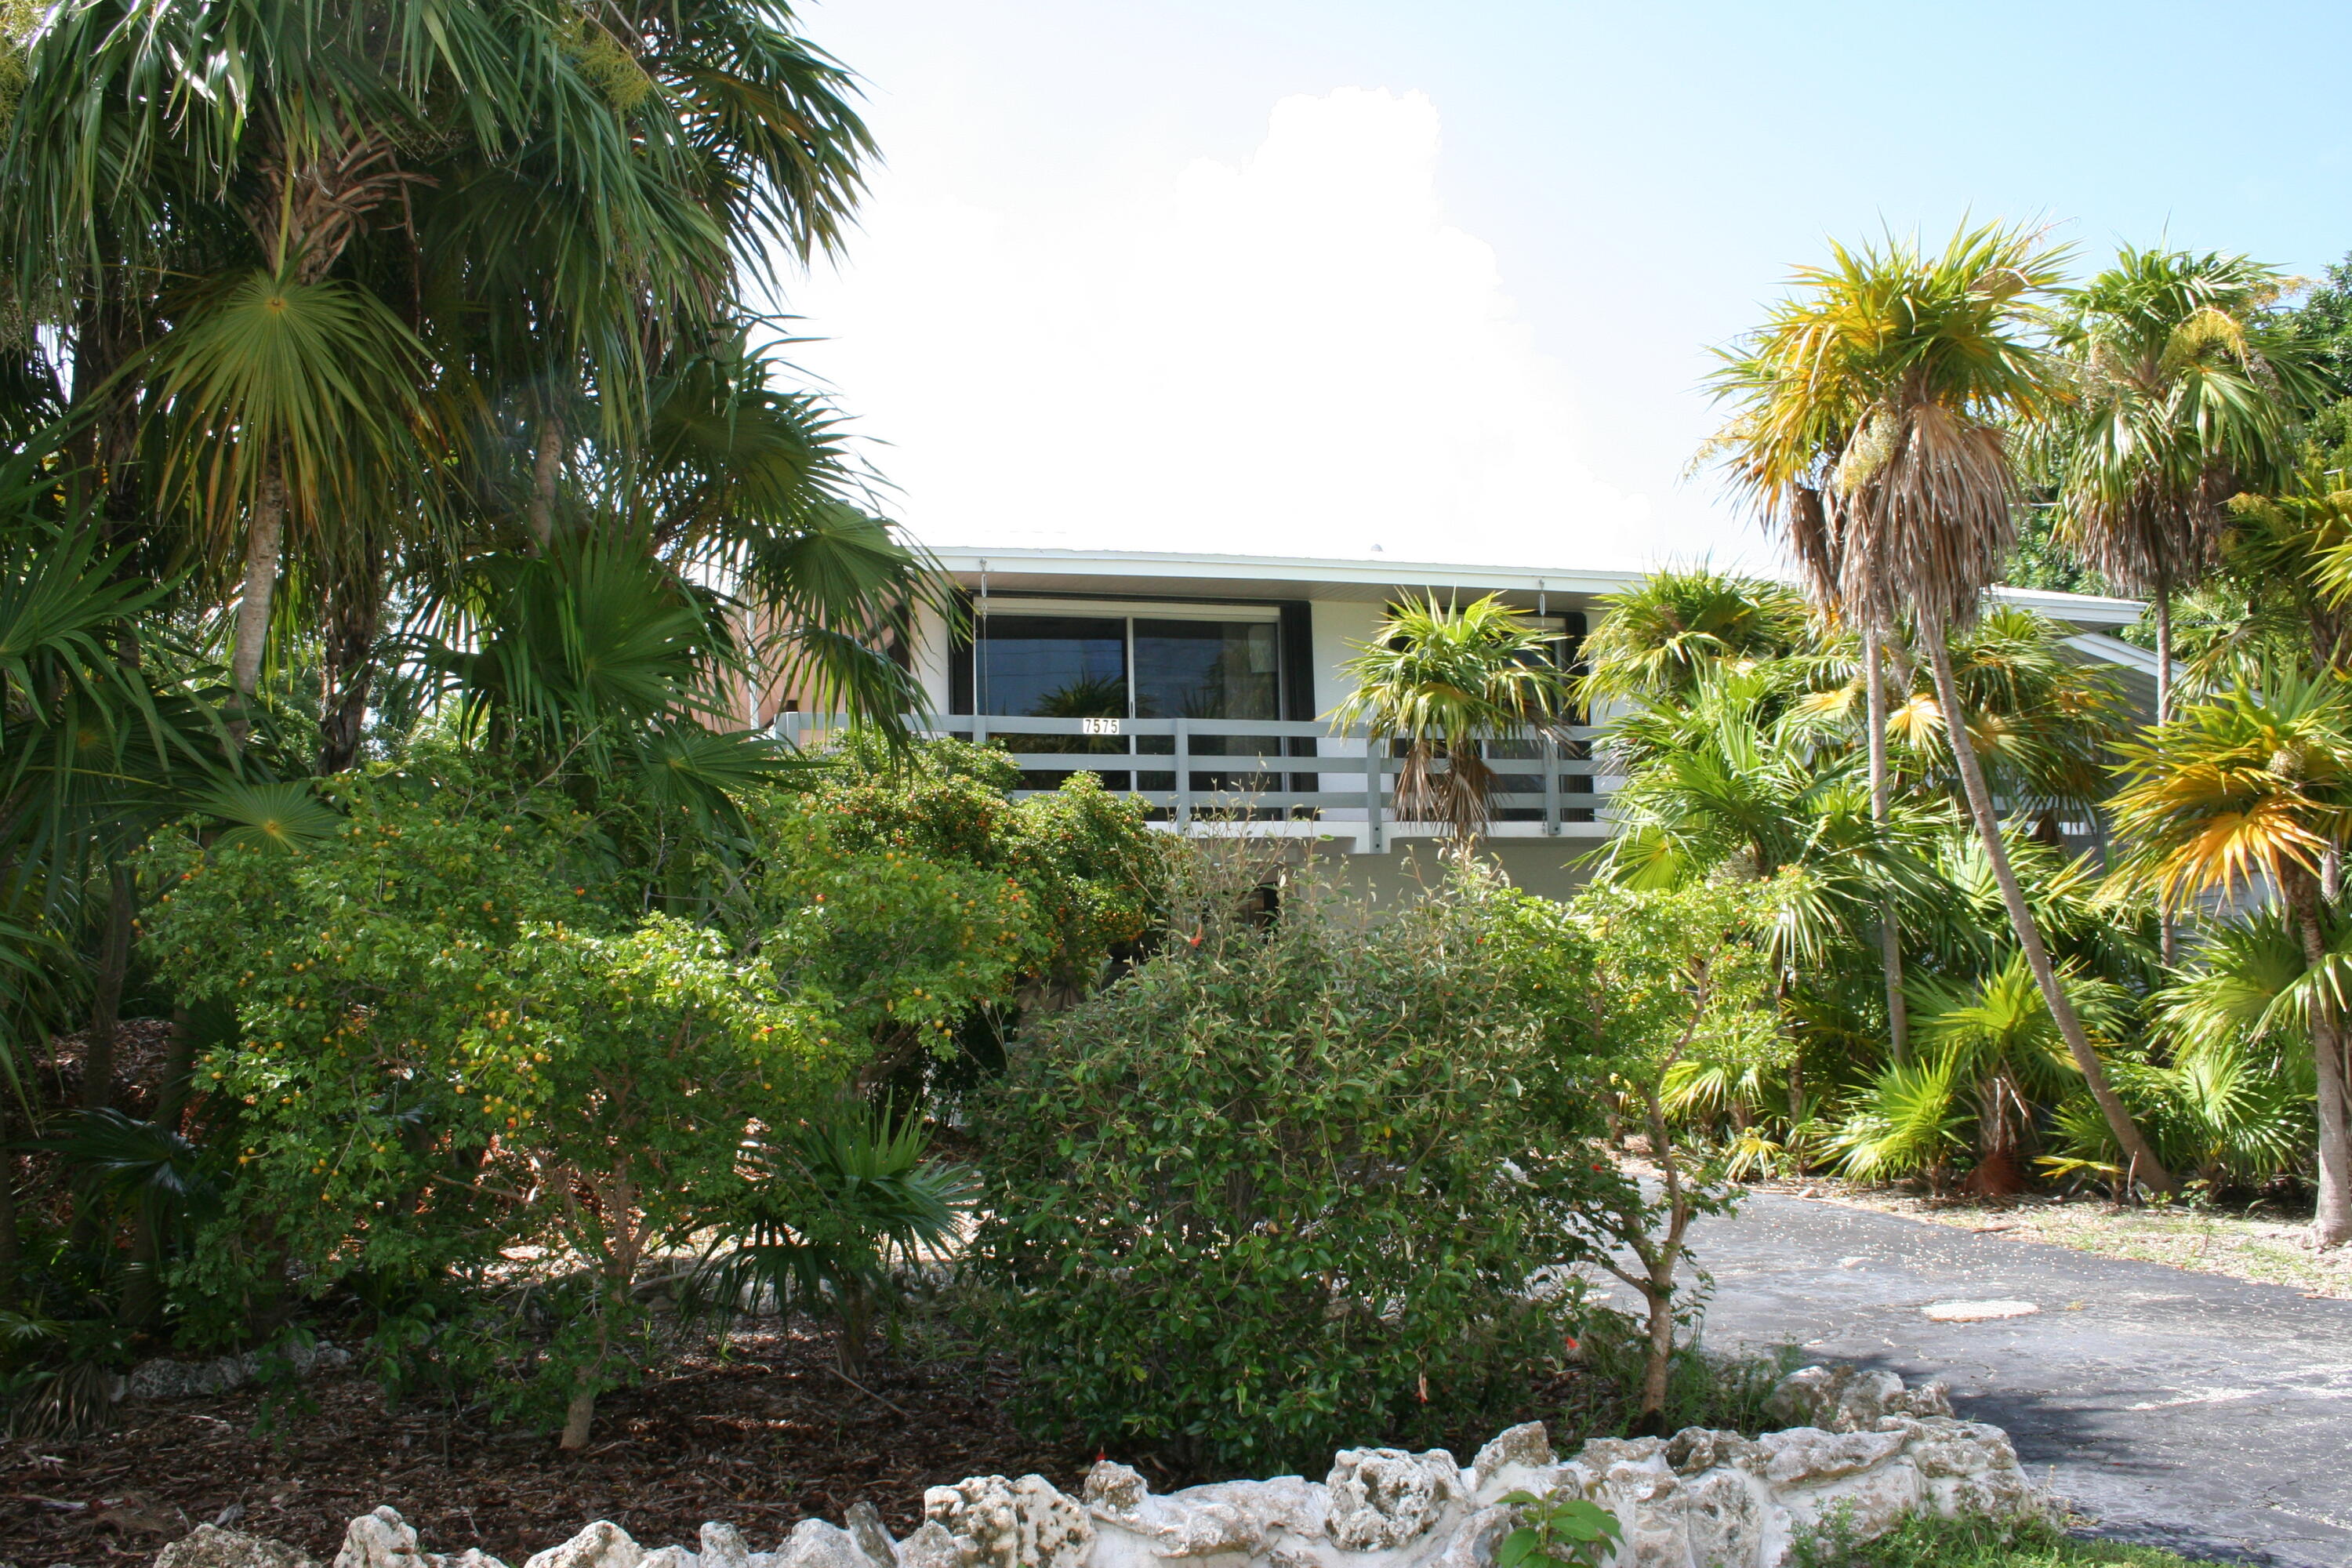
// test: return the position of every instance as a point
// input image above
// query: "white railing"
(1265, 776)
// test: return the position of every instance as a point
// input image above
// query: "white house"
(1202, 682)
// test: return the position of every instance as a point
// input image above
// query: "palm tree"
(1783, 446)
(2185, 398)
(2276, 561)
(1445, 681)
(2252, 786)
(1659, 636)
(331, 251)
(1990, 1040)
(1872, 419)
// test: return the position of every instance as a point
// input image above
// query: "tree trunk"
(1890, 936)
(2140, 1160)
(106, 999)
(142, 1291)
(2163, 656)
(2166, 934)
(2331, 1221)
(578, 1415)
(546, 464)
(354, 608)
(265, 537)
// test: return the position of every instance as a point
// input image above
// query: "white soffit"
(1033, 570)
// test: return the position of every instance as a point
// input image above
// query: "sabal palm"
(1446, 679)
(1872, 416)
(2248, 789)
(2184, 399)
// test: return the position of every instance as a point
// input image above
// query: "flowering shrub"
(456, 1055)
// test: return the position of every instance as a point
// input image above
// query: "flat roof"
(1034, 569)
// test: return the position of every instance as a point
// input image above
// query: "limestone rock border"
(1861, 1443)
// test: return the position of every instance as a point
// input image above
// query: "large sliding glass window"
(1054, 667)
(1207, 669)
(1139, 662)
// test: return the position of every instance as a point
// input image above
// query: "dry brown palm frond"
(1931, 525)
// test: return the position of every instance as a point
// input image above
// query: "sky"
(1440, 282)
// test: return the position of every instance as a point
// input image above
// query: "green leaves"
(321, 379)
(1559, 1528)
(281, 817)
(1291, 1186)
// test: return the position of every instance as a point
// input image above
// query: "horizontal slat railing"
(1253, 774)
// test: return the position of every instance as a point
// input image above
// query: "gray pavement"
(2196, 1412)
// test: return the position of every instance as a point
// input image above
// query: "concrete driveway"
(2187, 1410)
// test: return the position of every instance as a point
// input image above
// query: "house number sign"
(1100, 726)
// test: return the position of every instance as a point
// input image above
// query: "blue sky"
(1439, 280)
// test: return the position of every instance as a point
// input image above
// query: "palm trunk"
(350, 668)
(543, 469)
(2166, 935)
(1890, 937)
(106, 999)
(2140, 1160)
(2331, 1220)
(265, 537)
(2163, 655)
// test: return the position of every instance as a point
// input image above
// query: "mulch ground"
(761, 1440)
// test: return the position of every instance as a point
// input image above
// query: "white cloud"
(1296, 355)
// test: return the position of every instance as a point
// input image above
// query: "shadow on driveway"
(2189, 1410)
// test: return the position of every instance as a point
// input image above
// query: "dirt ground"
(761, 1440)
(2262, 1243)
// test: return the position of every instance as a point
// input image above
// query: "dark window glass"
(1207, 669)
(1055, 667)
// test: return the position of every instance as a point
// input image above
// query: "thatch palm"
(1660, 635)
(2255, 786)
(2043, 725)
(2184, 400)
(1872, 421)
(1446, 681)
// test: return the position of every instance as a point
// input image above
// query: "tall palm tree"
(2185, 397)
(1872, 418)
(1446, 681)
(2254, 786)
(1788, 434)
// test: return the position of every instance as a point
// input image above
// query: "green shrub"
(1723, 1391)
(456, 1047)
(1285, 1187)
(911, 898)
(1921, 1542)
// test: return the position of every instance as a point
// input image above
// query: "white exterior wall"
(1334, 627)
(933, 648)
